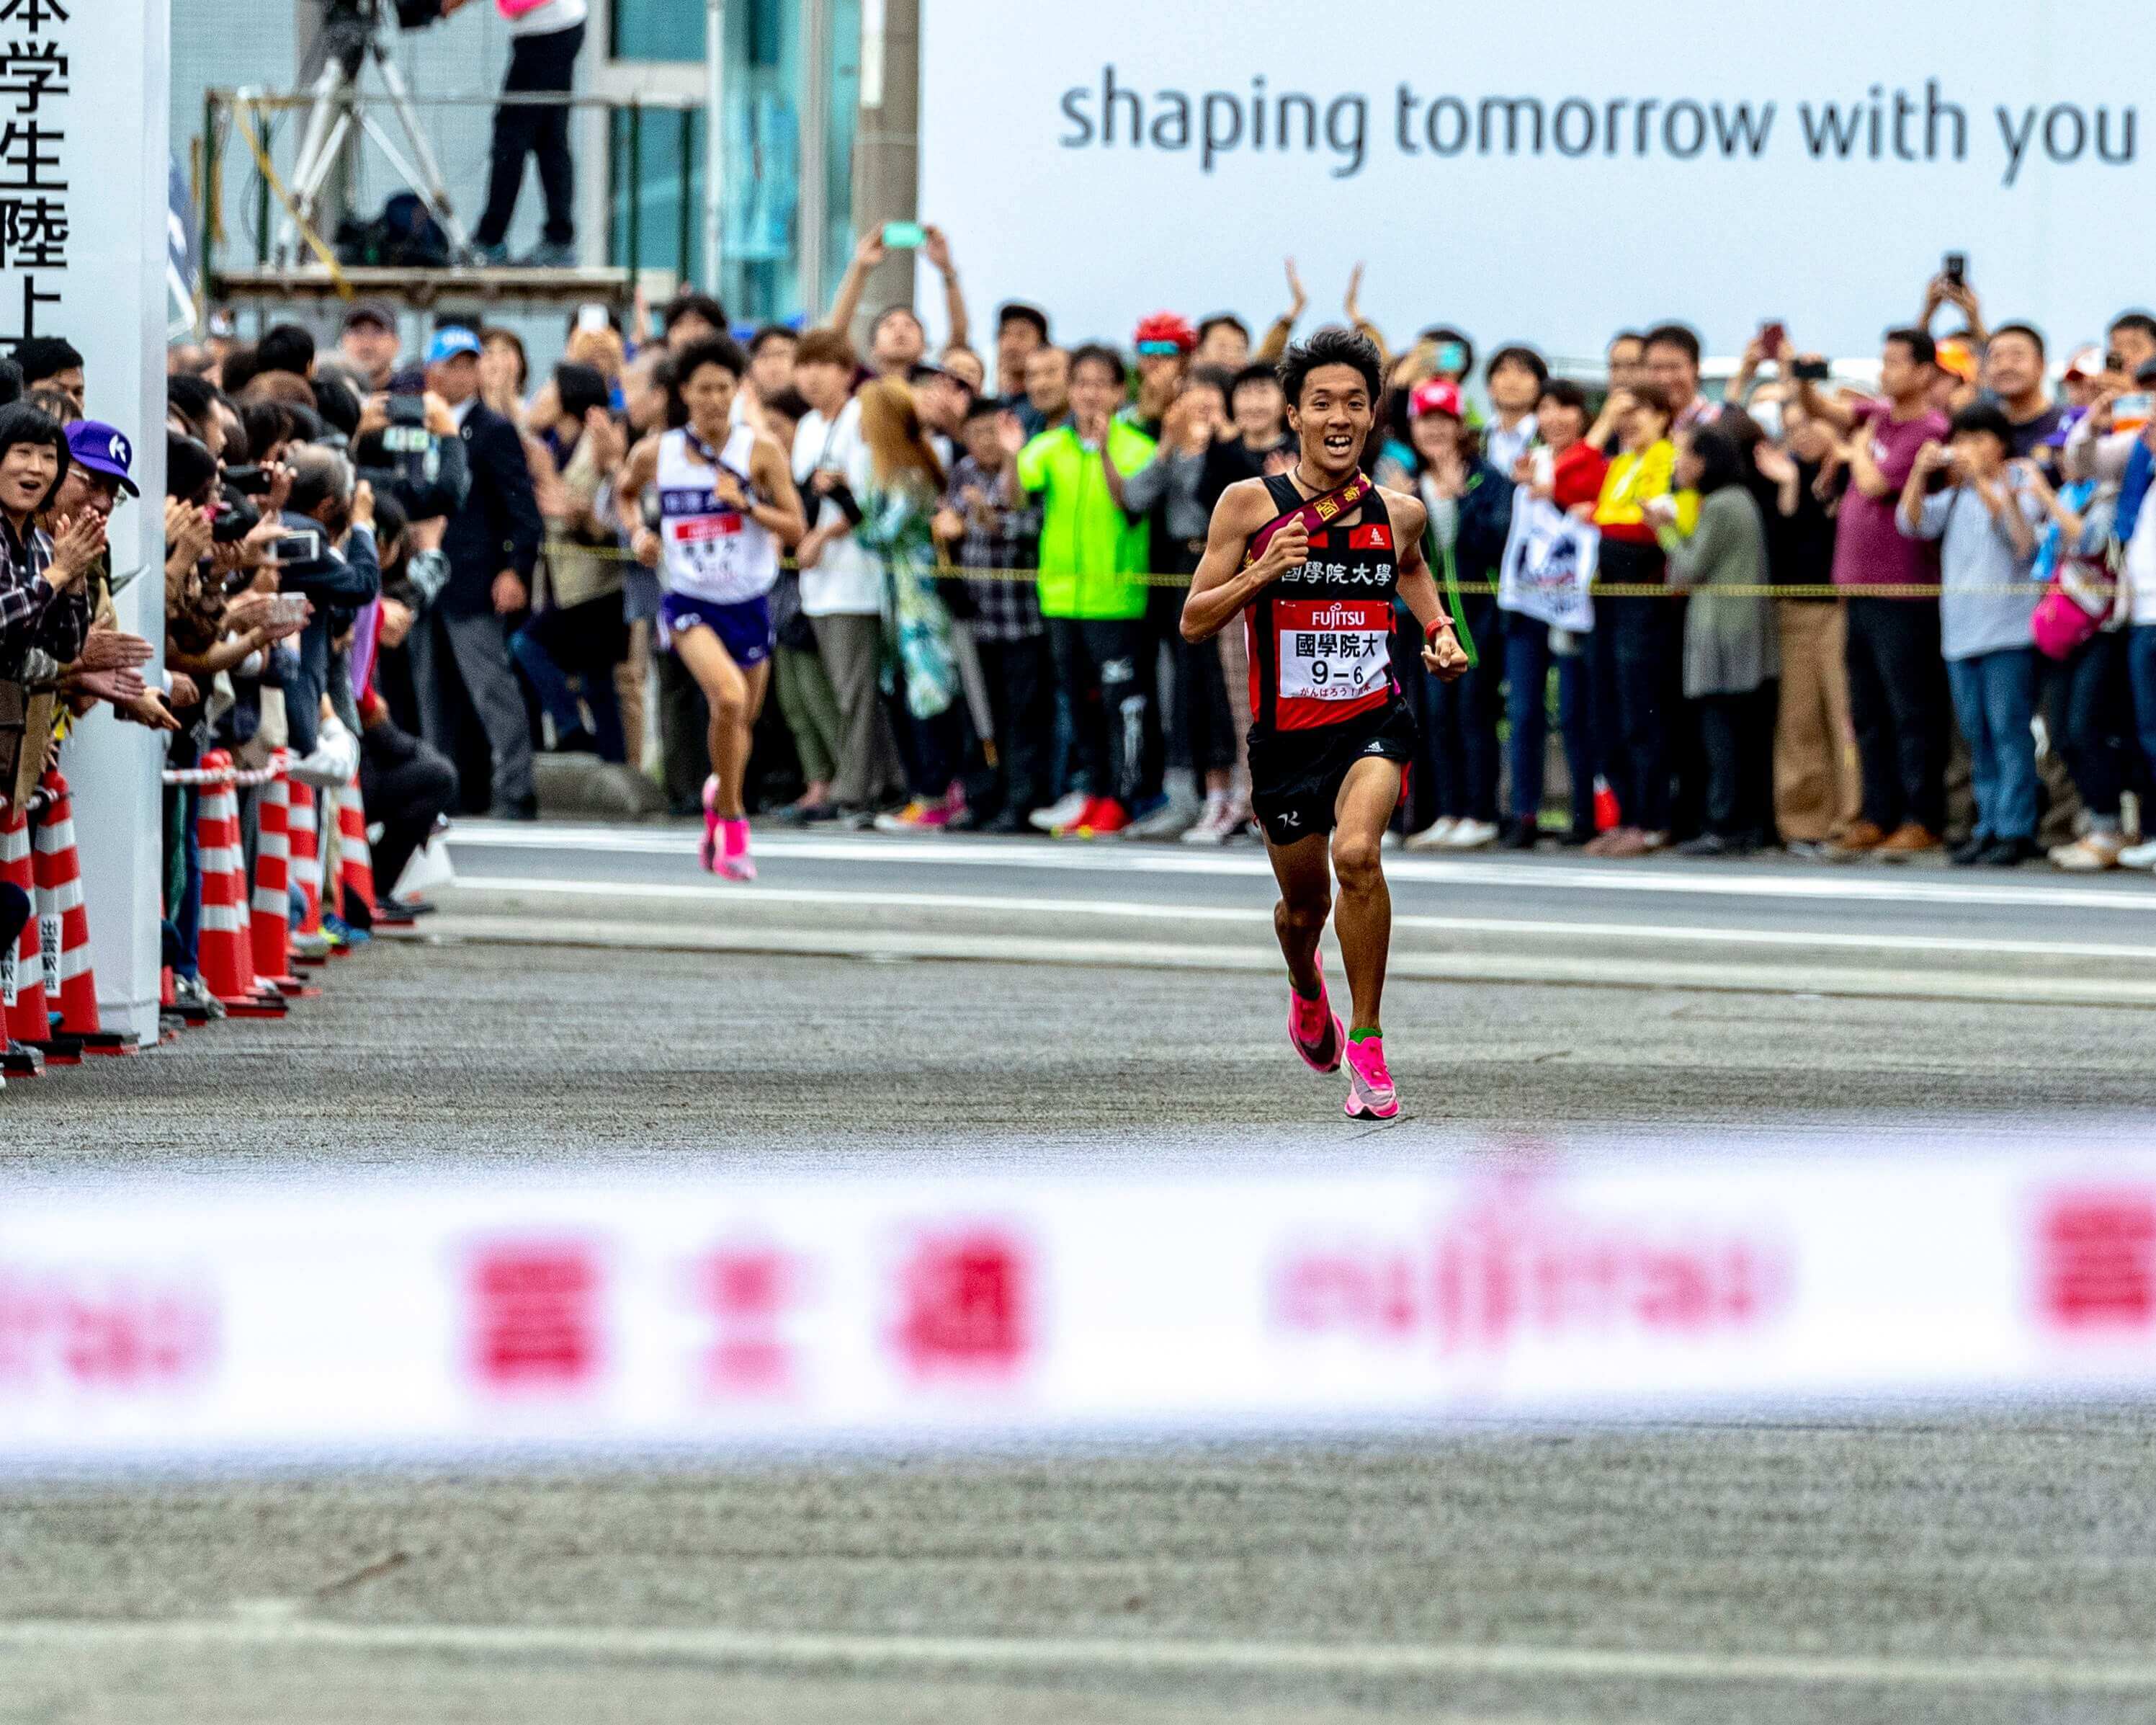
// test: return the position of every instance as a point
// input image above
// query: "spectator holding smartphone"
(1985, 520)
(1895, 700)
(1818, 791)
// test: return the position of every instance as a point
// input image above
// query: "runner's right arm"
(1221, 588)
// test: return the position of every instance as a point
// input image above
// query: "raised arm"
(1277, 337)
(867, 254)
(1929, 460)
(1818, 403)
(938, 253)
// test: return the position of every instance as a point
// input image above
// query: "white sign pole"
(714, 120)
(106, 139)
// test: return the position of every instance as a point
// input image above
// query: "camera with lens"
(406, 461)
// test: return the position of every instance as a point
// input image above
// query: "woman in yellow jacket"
(1635, 639)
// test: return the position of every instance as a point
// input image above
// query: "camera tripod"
(351, 37)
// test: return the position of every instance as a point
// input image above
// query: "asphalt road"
(1895, 1564)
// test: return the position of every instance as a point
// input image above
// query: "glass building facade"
(792, 82)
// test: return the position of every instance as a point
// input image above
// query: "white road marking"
(1133, 910)
(1870, 884)
(1712, 973)
(727, 1648)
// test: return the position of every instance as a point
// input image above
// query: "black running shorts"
(1295, 776)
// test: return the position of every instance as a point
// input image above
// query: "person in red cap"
(1164, 343)
(1312, 560)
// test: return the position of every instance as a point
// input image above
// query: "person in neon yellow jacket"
(1094, 554)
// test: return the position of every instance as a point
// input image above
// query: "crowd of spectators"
(1874, 622)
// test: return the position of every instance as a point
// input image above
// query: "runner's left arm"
(781, 516)
(1442, 655)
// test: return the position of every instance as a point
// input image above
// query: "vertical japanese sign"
(36, 98)
(85, 153)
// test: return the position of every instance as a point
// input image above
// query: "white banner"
(84, 174)
(213, 1321)
(1549, 565)
(1547, 173)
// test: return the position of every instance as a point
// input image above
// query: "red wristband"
(1431, 633)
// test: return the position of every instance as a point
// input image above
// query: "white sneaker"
(1171, 820)
(1473, 835)
(1434, 836)
(1216, 825)
(1065, 810)
(2138, 855)
(2091, 853)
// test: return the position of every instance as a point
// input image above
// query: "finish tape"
(224, 1322)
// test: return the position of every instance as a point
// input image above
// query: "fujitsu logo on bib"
(1337, 617)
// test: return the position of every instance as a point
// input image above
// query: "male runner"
(1312, 558)
(726, 504)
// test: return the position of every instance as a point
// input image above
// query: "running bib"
(1333, 650)
(703, 543)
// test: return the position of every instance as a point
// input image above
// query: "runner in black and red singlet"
(1311, 559)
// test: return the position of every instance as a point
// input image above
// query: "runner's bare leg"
(735, 698)
(1306, 900)
(1367, 796)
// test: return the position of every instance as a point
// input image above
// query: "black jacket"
(339, 582)
(499, 527)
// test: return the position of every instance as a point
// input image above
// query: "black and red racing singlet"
(1320, 636)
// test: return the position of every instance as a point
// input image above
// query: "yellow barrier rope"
(1601, 590)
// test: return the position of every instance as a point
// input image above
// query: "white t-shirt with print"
(847, 580)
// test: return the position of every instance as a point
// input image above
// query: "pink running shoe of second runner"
(1370, 1092)
(735, 863)
(1307, 1022)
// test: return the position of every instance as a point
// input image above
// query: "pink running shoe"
(1370, 1093)
(735, 863)
(1307, 1024)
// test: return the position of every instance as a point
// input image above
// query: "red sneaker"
(1101, 814)
(1106, 815)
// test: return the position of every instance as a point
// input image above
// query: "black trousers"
(405, 785)
(1021, 681)
(1734, 731)
(684, 723)
(539, 64)
(1107, 670)
(14, 918)
(1898, 703)
(1209, 723)
(1634, 645)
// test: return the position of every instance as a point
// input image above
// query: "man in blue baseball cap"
(451, 341)
(491, 544)
(99, 468)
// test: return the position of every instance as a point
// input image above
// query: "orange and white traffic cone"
(18, 1058)
(66, 928)
(309, 945)
(227, 956)
(354, 860)
(272, 918)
